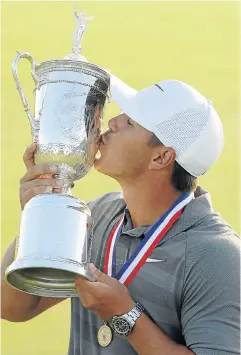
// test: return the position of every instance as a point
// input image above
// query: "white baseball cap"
(179, 116)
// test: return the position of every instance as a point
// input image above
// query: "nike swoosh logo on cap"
(159, 87)
(148, 260)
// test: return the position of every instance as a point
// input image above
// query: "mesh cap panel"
(182, 129)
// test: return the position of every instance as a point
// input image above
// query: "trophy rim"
(75, 65)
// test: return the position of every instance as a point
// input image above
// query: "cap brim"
(123, 95)
(127, 99)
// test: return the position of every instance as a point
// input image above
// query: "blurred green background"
(143, 43)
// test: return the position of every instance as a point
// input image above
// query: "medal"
(104, 335)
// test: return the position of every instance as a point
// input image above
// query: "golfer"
(165, 264)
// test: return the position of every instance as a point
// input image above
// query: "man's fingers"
(27, 195)
(38, 170)
(100, 276)
(37, 183)
(38, 186)
(28, 156)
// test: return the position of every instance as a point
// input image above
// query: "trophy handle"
(34, 123)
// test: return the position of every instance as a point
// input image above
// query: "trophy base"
(50, 280)
(53, 247)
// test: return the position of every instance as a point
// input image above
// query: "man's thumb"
(98, 275)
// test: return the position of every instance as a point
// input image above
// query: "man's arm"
(107, 297)
(147, 339)
(17, 306)
(210, 312)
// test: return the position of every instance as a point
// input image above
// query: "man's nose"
(113, 124)
(117, 123)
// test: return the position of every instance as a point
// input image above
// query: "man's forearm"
(7, 258)
(15, 305)
(147, 339)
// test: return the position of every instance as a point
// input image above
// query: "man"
(165, 265)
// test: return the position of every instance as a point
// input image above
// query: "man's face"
(124, 149)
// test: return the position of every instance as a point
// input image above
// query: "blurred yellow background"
(143, 43)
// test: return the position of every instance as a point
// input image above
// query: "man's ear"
(162, 158)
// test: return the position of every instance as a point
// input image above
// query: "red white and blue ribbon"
(145, 248)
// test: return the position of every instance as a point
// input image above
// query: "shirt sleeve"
(210, 313)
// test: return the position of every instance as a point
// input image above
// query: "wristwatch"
(124, 324)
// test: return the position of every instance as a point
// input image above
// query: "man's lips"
(103, 137)
(102, 141)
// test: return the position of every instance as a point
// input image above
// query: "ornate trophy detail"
(70, 96)
(82, 25)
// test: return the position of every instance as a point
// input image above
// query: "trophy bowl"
(54, 243)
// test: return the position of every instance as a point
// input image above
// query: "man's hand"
(38, 178)
(106, 297)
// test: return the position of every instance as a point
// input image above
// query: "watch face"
(121, 326)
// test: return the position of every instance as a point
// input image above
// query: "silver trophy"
(70, 96)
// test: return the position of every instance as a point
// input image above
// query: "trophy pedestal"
(52, 249)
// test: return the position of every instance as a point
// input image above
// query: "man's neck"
(148, 201)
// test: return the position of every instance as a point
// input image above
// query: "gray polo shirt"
(191, 293)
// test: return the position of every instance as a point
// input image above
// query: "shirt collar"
(196, 210)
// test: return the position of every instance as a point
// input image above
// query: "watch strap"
(135, 312)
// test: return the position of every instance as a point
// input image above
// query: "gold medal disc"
(104, 335)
